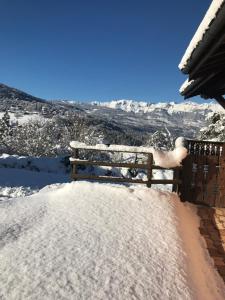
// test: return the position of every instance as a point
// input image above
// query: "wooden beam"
(109, 178)
(215, 66)
(149, 169)
(195, 89)
(109, 164)
(161, 168)
(74, 167)
(215, 87)
(220, 51)
(166, 181)
(118, 165)
(220, 100)
(210, 85)
(210, 52)
(212, 93)
(128, 180)
(93, 148)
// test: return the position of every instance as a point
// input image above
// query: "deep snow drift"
(101, 241)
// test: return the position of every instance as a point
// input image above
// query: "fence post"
(176, 176)
(75, 155)
(149, 170)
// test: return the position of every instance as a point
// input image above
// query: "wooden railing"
(148, 166)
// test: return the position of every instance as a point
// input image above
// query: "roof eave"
(217, 24)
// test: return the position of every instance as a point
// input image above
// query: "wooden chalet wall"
(203, 174)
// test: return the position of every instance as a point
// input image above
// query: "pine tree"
(6, 119)
(215, 129)
(5, 132)
(161, 139)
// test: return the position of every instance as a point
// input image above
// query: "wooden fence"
(148, 166)
(203, 174)
(201, 180)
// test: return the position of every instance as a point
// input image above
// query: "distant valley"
(128, 117)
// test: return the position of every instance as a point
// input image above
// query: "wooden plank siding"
(203, 174)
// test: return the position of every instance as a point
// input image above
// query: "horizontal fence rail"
(148, 166)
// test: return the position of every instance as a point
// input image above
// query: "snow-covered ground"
(16, 182)
(82, 240)
(23, 176)
(23, 118)
(101, 241)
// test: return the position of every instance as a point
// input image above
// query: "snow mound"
(170, 159)
(99, 241)
(7, 192)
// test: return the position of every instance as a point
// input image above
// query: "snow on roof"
(185, 85)
(201, 31)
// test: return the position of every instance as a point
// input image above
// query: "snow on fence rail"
(148, 165)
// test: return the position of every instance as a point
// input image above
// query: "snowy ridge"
(7, 92)
(171, 107)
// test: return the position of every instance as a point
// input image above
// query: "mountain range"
(181, 119)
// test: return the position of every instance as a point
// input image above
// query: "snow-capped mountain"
(185, 118)
(171, 107)
(126, 121)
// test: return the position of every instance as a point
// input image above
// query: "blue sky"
(97, 49)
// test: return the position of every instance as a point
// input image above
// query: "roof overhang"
(204, 59)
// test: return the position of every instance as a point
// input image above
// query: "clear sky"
(97, 49)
